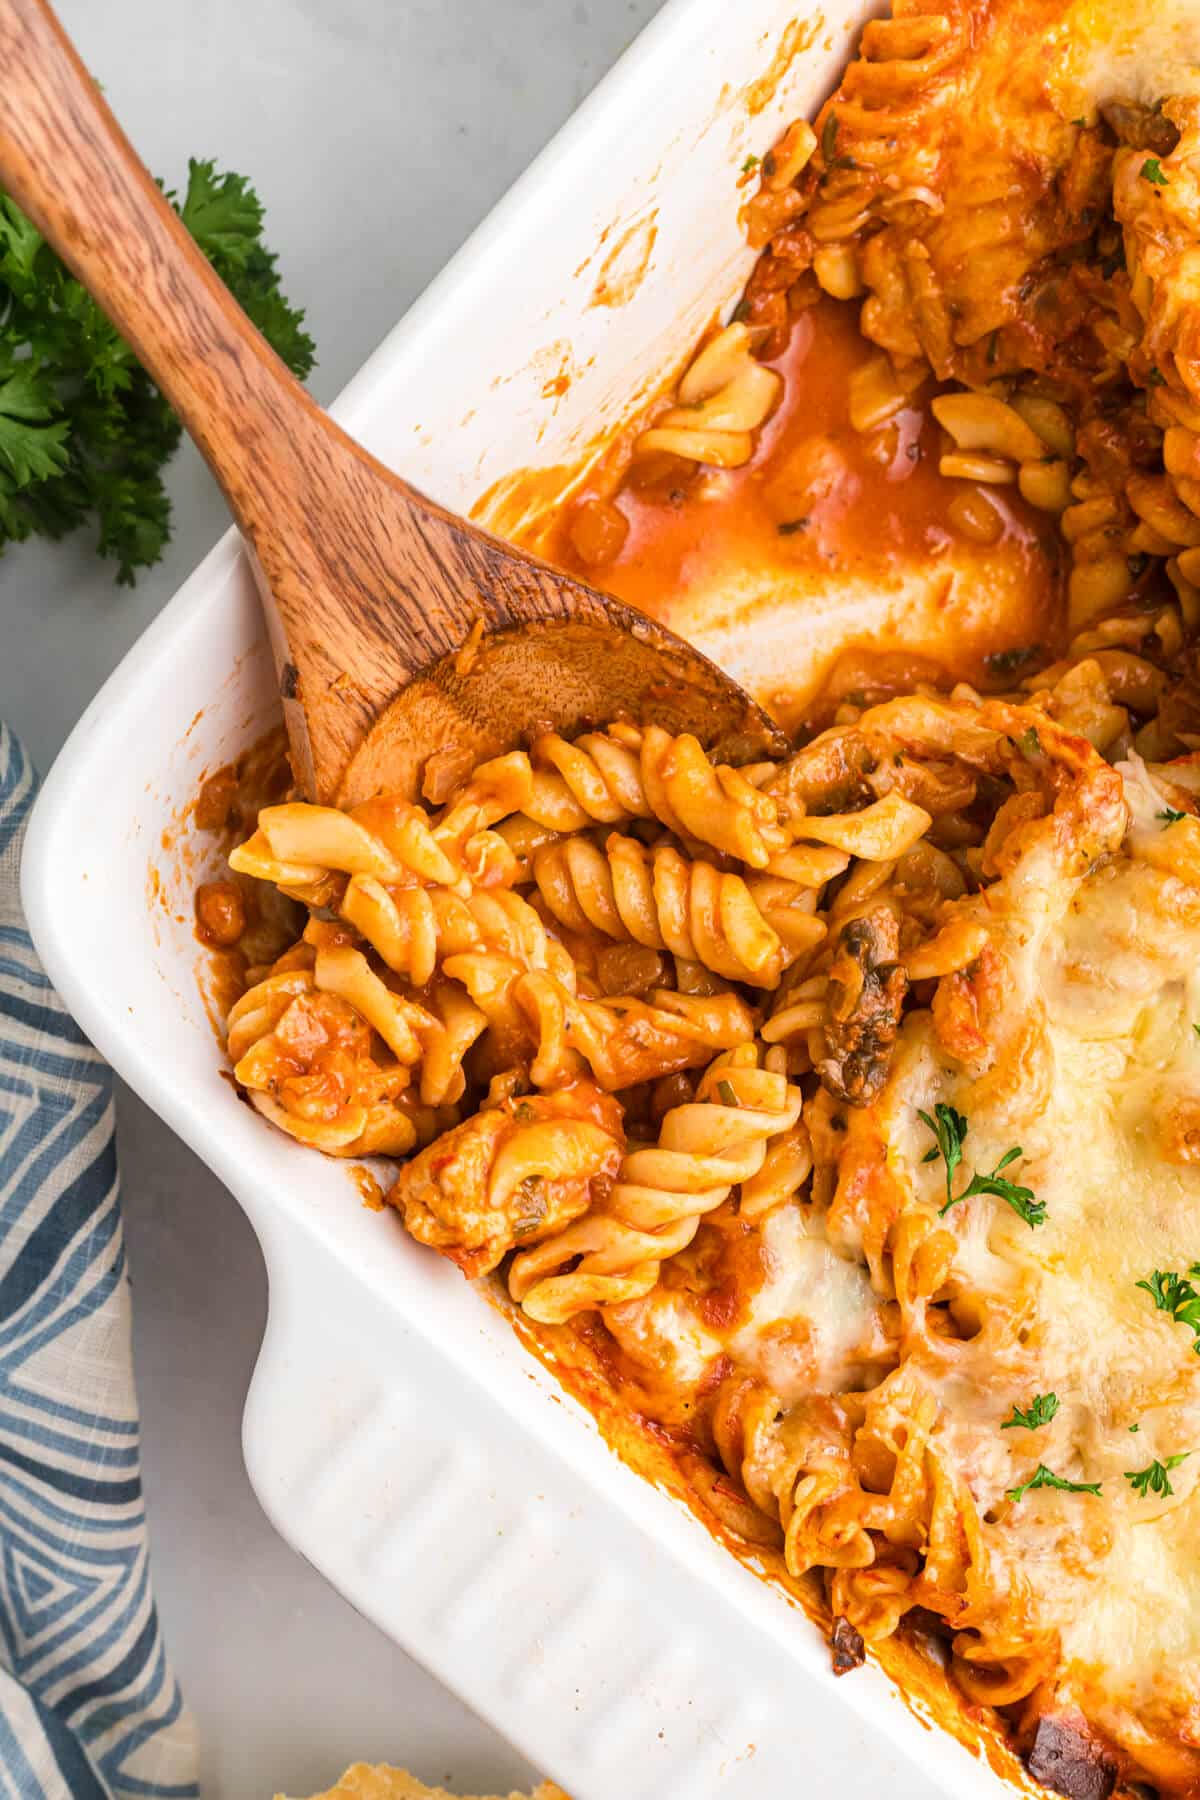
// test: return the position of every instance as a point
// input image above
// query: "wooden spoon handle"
(365, 582)
(68, 164)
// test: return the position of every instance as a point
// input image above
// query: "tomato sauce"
(822, 510)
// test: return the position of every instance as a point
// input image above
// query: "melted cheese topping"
(1108, 976)
(1102, 975)
(1115, 50)
(811, 1322)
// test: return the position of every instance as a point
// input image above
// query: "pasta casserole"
(841, 1114)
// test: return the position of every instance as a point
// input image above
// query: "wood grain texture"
(366, 583)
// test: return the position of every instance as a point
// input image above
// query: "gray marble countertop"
(378, 132)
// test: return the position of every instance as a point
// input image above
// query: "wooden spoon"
(371, 590)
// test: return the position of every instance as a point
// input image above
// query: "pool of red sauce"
(819, 494)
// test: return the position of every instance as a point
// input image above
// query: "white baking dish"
(396, 1431)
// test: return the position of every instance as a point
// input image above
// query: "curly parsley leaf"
(1175, 1294)
(1040, 1411)
(1043, 1477)
(949, 1127)
(1153, 1478)
(32, 441)
(1021, 1199)
(84, 433)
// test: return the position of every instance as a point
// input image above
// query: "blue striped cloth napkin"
(89, 1706)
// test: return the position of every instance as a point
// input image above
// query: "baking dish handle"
(389, 1477)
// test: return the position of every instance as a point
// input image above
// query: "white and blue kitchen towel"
(89, 1706)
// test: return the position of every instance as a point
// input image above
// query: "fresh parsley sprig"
(1153, 1478)
(1040, 1411)
(1021, 1199)
(1175, 1294)
(84, 432)
(949, 1127)
(1043, 1477)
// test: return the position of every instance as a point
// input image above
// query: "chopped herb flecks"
(949, 1127)
(1175, 1294)
(1040, 1411)
(1153, 1478)
(1043, 1477)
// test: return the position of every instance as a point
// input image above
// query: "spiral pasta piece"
(705, 1149)
(306, 849)
(510, 1175)
(314, 1063)
(416, 929)
(626, 773)
(666, 901)
(623, 1041)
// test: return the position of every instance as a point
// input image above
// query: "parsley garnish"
(1156, 378)
(1168, 816)
(829, 137)
(1021, 1199)
(1040, 1411)
(1196, 1029)
(751, 163)
(84, 432)
(1174, 1294)
(1135, 1428)
(1082, 124)
(1153, 1478)
(1151, 171)
(1029, 742)
(949, 1127)
(725, 1089)
(1043, 1477)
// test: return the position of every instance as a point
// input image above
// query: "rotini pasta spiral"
(662, 899)
(705, 1149)
(307, 850)
(513, 1174)
(307, 1053)
(626, 773)
(627, 1041)
(413, 930)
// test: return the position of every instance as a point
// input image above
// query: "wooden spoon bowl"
(408, 642)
